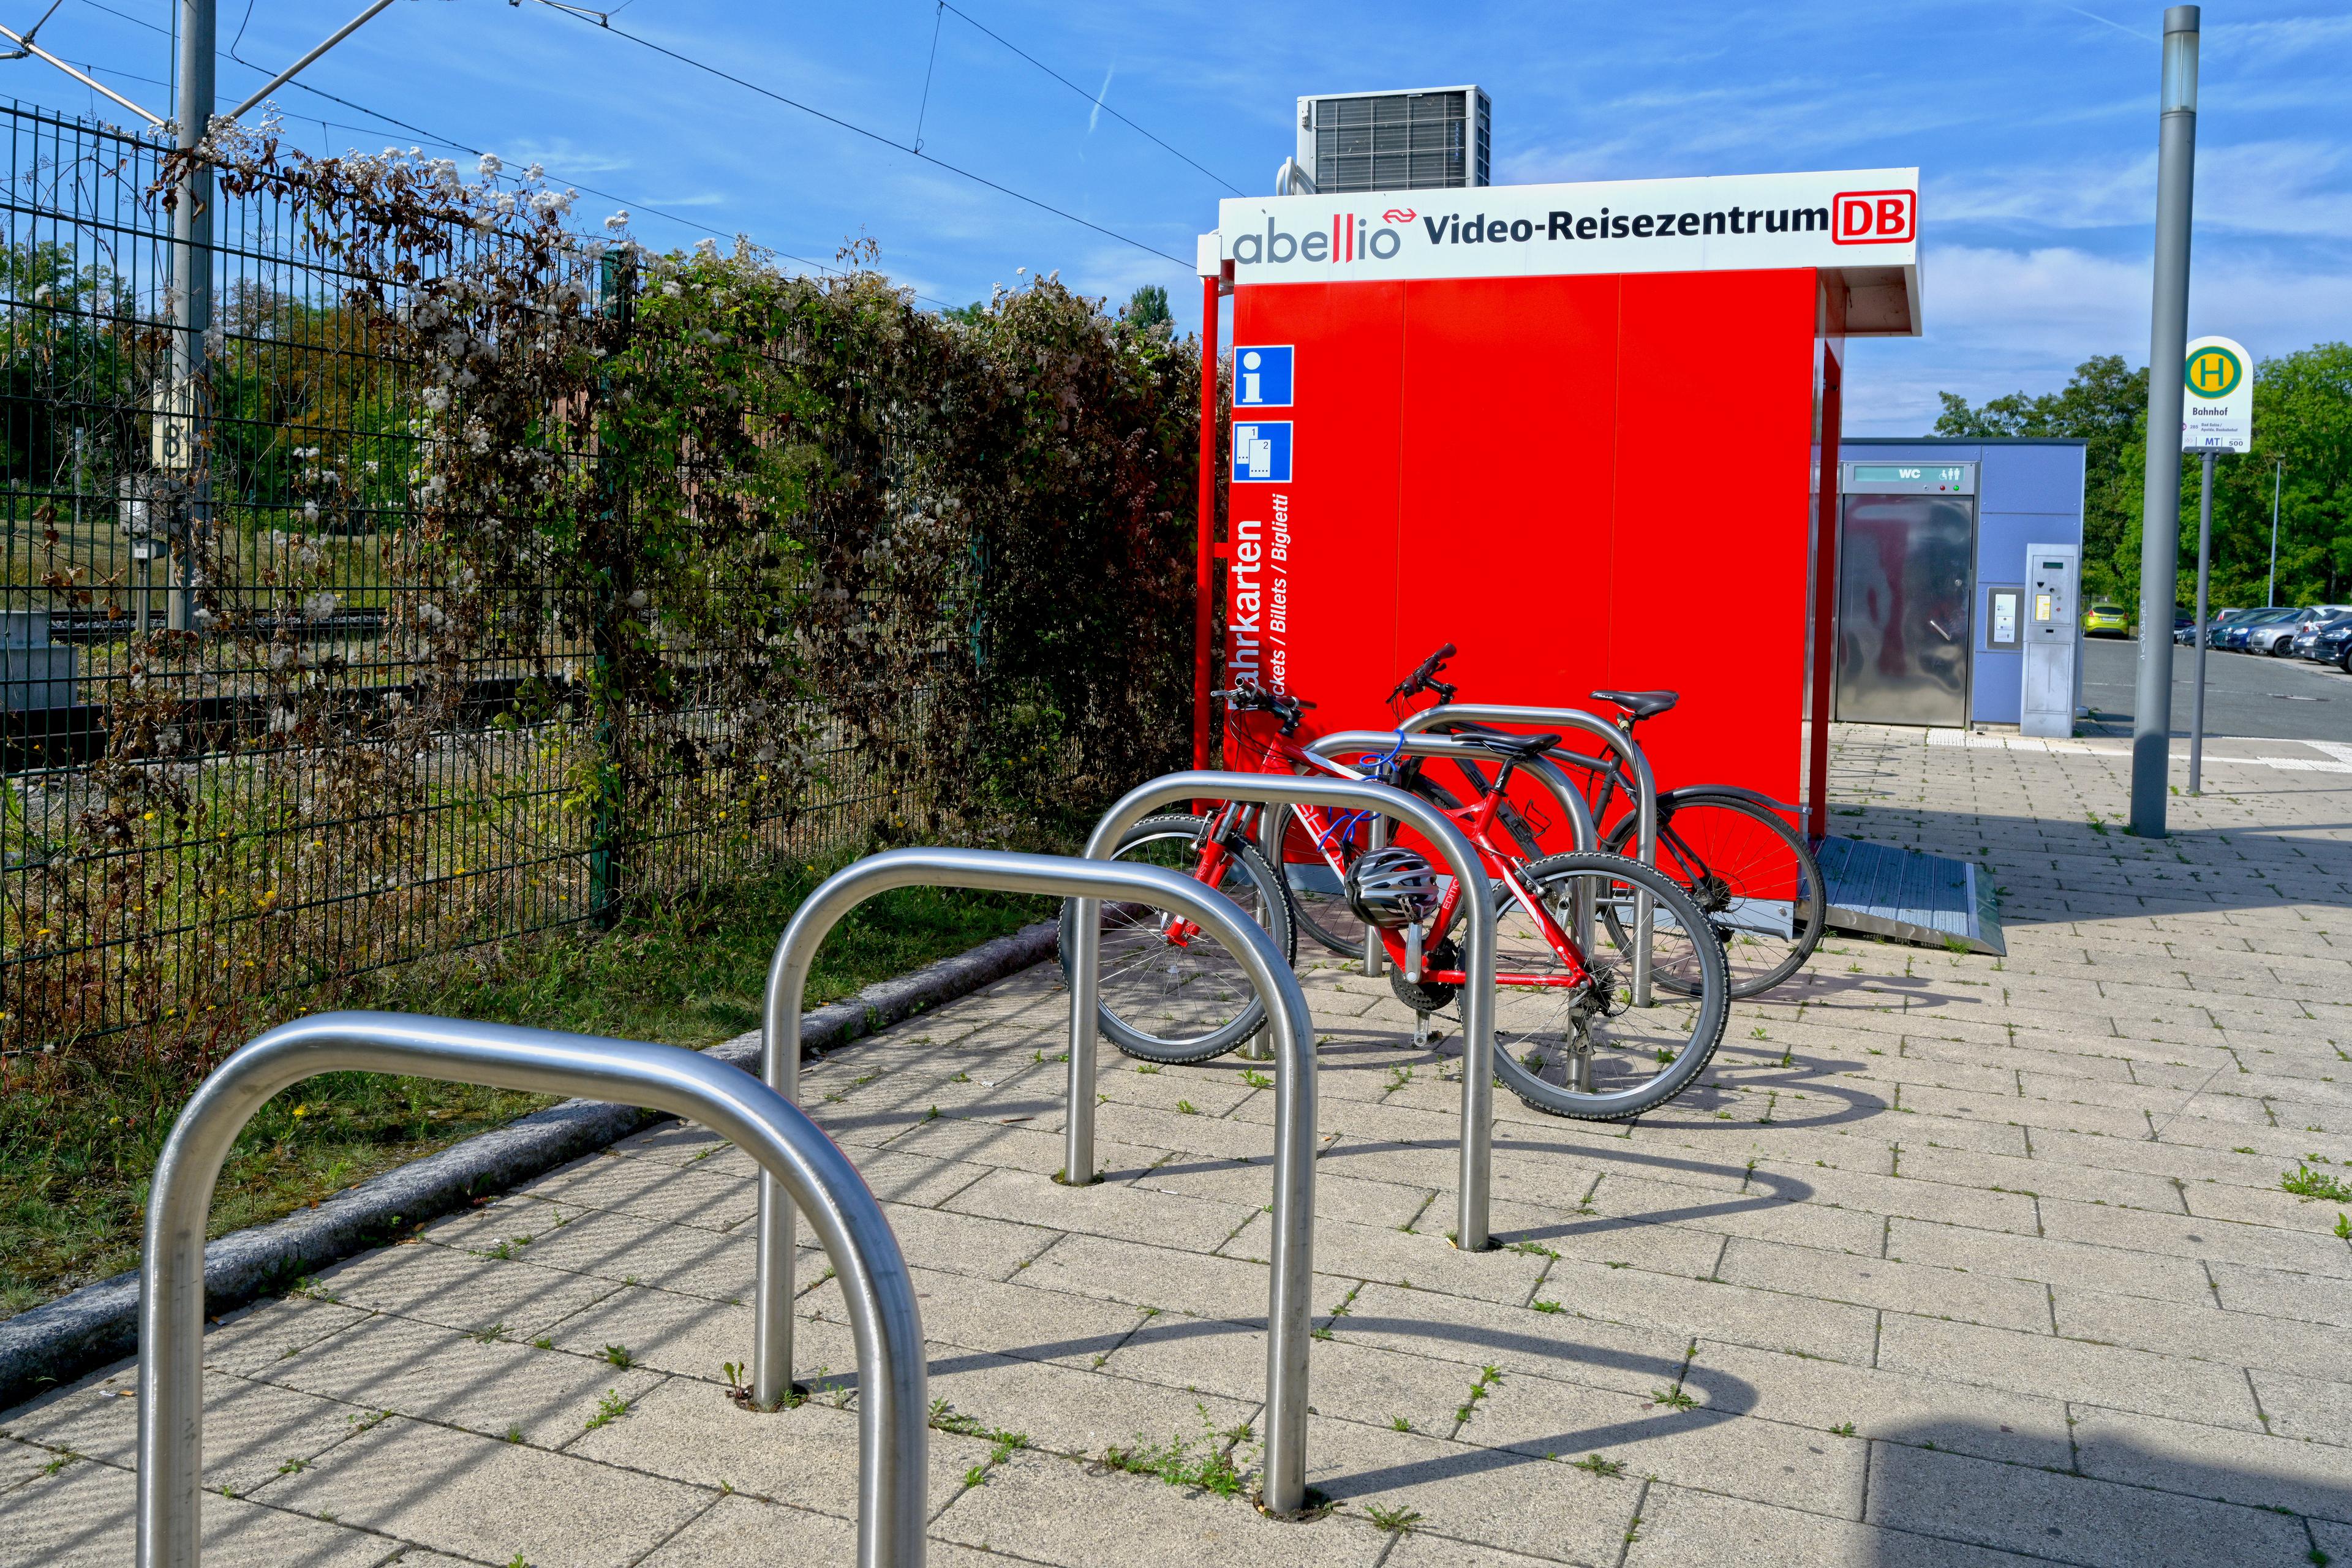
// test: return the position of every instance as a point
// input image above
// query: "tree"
(2105, 406)
(2303, 427)
(1148, 306)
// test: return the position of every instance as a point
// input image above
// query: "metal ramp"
(1932, 900)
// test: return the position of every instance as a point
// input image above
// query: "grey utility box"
(34, 673)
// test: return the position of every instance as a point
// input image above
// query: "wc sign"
(2217, 397)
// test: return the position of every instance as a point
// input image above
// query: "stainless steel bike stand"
(1289, 1303)
(1471, 1233)
(893, 1408)
(1646, 792)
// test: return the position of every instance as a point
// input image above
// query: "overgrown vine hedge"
(743, 544)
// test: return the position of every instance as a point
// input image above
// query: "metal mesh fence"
(266, 860)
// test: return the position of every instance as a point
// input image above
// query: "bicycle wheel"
(1174, 1002)
(1588, 1053)
(1752, 874)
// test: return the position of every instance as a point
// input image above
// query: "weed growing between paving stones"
(2305, 1183)
(1672, 1398)
(945, 1417)
(1488, 1376)
(1395, 1521)
(1594, 1463)
(1213, 1467)
(609, 1409)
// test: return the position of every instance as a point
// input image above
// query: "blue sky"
(2032, 122)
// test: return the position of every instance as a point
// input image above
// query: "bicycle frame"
(1478, 823)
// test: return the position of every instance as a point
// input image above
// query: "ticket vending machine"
(2052, 635)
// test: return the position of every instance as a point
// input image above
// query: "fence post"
(606, 699)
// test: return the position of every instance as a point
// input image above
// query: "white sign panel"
(2217, 404)
(1857, 218)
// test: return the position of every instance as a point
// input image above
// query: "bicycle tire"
(1714, 893)
(1138, 991)
(1708, 1006)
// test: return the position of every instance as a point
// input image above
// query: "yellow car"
(2106, 621)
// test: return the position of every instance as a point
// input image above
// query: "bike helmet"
(1392, 889)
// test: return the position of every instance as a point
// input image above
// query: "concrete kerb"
(1291, 1277)
(893, 1414)
(52, 1344)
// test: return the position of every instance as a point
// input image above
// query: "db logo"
(1874, 218)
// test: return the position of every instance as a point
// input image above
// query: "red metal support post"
(1204, 567)
(1826, 596)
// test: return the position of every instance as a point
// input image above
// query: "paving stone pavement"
(1949, 1260)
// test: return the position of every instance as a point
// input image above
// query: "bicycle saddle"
(1520, 748)
(1640, 704)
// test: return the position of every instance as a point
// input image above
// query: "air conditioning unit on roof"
(1430, 139)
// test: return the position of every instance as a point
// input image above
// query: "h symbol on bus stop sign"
(1874, 218)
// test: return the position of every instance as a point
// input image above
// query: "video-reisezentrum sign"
(1867, 217)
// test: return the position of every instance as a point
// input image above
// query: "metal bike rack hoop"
(1581, 830)
(1645, 790)
(1289, 1309)
(893, 1409)
(1478, 994)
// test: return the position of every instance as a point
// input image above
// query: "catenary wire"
(1091, 98)
(435, 140)
(876, 136)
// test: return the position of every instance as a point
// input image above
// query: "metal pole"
(191, 293)
(1471, 1233)
(2160, 546)
(2270, 595)
(893, 1409)
(1289, 1291)
(290, 72)
(2196, 662)
(1645, 793)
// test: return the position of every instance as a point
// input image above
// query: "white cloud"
(2283, 187)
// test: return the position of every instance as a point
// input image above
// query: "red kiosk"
(1574, 429)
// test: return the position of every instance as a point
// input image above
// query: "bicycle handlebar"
(1423, 678)
(1254, 700)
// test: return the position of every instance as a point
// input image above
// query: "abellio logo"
(1350, 238)
(1874, 218)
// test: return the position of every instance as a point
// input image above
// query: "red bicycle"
(1569, 1039)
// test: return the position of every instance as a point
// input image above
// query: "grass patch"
(79, 1131)
(1207, 1463)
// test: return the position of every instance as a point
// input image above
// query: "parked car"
(2106, 621)
(2276, 638)
(2310, 644)
(2333, 644)
(2230, 632)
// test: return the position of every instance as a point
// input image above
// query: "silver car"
(2277, 638)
